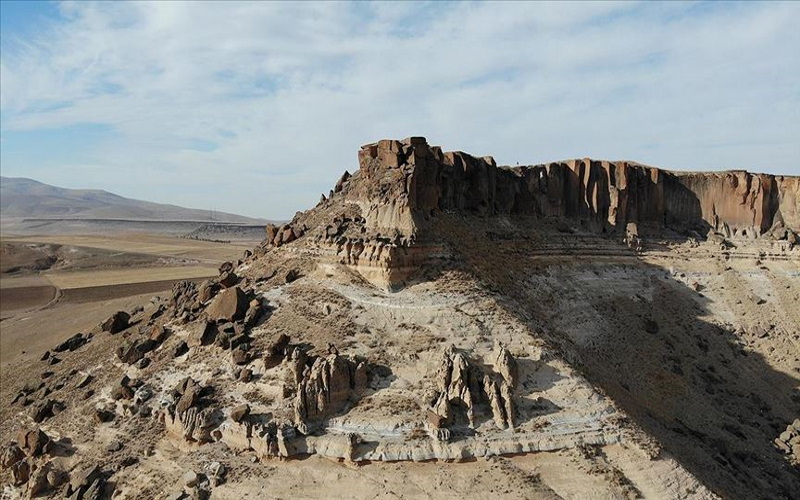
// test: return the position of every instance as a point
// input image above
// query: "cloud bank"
(257, 107)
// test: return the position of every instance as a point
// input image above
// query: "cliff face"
(403, 182)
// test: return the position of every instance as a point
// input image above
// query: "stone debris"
(88, 483)
(279, 236)
(34, 443)
(132, 351)
(789, 442)
(11, 454)
(312, 402)
(183, 301)
(47, 409)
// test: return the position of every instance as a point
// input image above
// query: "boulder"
(11, 454)
(229, 305)
(103, 416)
(245, 375)
(341, 182)
(190, 479)
(34, 443)
(84, 380)
(184, 297)
(207, 290)
(116, 322)
(56, 477)
(134, 350)
(20, 472)
(114, 446)
(253, 313)
(228, 279)
(202, 333)
(46, 409)
(275, 351)
(158, 334)
(86, 483)
(239, 356)
(216, 473)
(122, 392)
(189, 398)
(272, 232)
(72, 343)
(240, 413)
(37, 484)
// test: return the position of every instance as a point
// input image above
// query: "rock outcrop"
(463, 386)
(401, 185)
(327, 386)
(407, 181)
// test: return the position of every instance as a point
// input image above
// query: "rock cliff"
(381, 215)
(403, 182)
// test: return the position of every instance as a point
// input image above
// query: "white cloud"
(286, 92)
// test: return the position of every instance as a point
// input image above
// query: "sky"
(258, 107)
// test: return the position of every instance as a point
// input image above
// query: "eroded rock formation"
(407, 181)
(463, 385)
(327, 386)
(384, 229)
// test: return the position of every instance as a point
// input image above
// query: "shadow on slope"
(715, 406)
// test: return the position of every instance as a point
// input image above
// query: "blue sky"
(257, 107)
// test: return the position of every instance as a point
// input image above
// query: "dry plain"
(53, 286)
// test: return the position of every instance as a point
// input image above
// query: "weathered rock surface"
(34, 443)
(789, 442)
(401, 185)
(328, 386)
(229, 305)
(421, 179)
(462, 386)
(72, 343)
(116, 322)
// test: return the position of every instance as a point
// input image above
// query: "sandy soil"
(83, 279)
(159, 245)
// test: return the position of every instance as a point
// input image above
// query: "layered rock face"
(401, 185)
(403, 182)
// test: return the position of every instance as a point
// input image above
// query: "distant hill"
(27, 198)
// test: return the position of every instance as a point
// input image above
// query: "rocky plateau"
(578, 329)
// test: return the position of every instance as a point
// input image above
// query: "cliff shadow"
(714, 405)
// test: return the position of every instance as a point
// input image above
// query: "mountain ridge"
(22, 197)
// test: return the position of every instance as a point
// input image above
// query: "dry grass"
(82, 279)
(148, 244)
